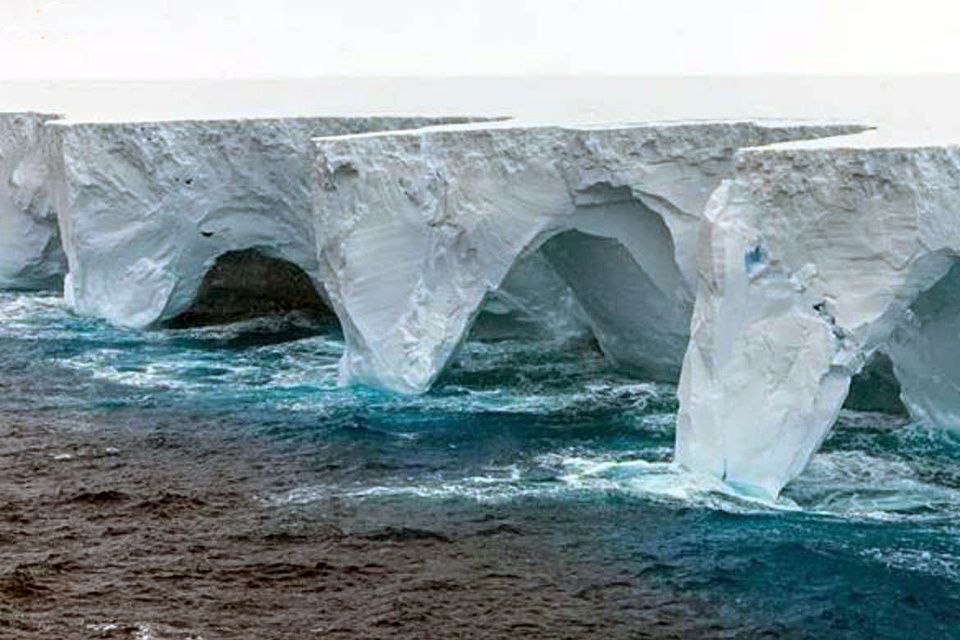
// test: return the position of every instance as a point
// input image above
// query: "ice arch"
(626, 279)
(145, 208)
(813, 258)
(925, 351)
(416, 229)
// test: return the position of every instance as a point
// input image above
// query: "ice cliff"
(147, 208)
(30, 254)
(416, 229)
(813, 258)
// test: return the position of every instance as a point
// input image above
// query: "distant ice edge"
(31, 256)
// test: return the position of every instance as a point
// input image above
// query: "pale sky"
(310, 38)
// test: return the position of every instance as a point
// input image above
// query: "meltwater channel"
(866, 544)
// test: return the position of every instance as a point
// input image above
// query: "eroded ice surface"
(146, 208)
(30, 254)
(814, 257)
(416, 228)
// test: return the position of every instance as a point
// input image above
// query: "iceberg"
(30, 253)
(146, 209)
(814, 258)
(417, 230)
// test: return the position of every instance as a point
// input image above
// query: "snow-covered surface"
(415, 229)
(811, 258)
(30, 254)
(146, 207)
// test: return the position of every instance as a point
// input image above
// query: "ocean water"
(866, 544)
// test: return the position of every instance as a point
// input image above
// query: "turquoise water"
(866, 544)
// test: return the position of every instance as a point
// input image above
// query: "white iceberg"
(416, 229)
(147, 208)
(30, 253)
(812, 258)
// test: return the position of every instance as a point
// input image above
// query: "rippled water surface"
(865, 544)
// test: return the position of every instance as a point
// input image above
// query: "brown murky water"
(163, 532)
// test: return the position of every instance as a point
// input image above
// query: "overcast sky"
(257, 38)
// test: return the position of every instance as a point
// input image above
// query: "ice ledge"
(812, 258)
(416, 228)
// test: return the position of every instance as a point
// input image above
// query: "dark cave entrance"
(876, 388)
(248, 284)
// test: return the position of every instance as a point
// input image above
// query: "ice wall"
(415, 229)
(812, 257)
(146, 208)
(30, 254)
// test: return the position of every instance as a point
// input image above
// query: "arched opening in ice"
(248, 284)
(606, 280)
(606, 271)
(637, 323)
(532, 303)
(925, 350)
(876, 388)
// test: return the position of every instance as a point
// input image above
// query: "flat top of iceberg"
(573, 125)
(123, 122)
(30, 114)
(892, 139)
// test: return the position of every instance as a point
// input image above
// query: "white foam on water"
(856, 485)
(163, 363)
(574, 475)
(945, 565)
(842, 485)
(144, 631)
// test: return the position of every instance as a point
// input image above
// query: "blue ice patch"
(752, 259)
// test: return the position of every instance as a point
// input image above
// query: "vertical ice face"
(30, 254)
(811, 258)
(146, 208)
(415, 229)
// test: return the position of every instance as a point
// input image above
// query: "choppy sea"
(865, 544)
